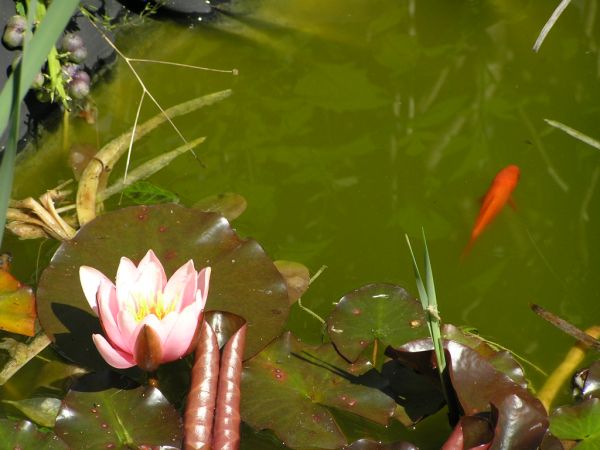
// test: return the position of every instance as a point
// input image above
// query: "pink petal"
(111, 355)
(127, 275)
(90, 282)
(182, 333)
(181, 287)
(108, 311)
(152, 278)
(203, 282)
(127, 324)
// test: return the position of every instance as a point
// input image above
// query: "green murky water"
(354, 122)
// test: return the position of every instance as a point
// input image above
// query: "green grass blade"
(429, 303)
(419, 280)
(48, 31)
(35, 51)
(573, 132)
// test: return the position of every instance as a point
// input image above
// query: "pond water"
(354, 122)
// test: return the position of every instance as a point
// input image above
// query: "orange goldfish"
(495, 198)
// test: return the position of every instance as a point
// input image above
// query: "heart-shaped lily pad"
(290, 388)
(243, 281)
(24, 435)
(382, 312)
(118, 418)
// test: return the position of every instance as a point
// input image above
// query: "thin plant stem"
(550, 23)
(573, 132)
(140, 81)
(187, 66)
(135, 122)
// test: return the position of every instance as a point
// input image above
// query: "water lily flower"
(146, 319)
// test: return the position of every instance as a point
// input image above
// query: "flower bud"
(13, 38)
(38, 81)
(73, 44)
(17, 22)
(79, 89)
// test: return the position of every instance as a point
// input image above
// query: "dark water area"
(352, 123)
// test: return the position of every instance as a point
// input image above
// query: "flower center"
(142, 306)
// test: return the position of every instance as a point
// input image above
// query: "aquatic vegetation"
(147, 319)
(17, 306)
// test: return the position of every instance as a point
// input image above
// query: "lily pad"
(229, 204)
(367, 444)
(382, 312)
(17, 306)
(578, 422)
(244, 281)
(25, 435)
(118, 418)
(296, 277)
(519, 418)
(290, 389)
(42, 410)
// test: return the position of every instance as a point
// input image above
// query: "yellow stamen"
(141, 307)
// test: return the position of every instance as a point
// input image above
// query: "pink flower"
(146, 319)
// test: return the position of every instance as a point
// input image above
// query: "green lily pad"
(243, 281)
(25, 435)
(229, 204)
(118, 418)
(382, 312)
(578, 422)
(17, 306)
(42, 410)
(290, 388)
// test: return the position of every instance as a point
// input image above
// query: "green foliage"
(34, 54)
(147, 193)
(578, 422)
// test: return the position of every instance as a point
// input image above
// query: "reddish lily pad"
(290, 389)
(367, 444)
(296, 277)
(519, 419)
(118, 418)
(24, 435)
(17, 306)
(382, 312)
(244, 281)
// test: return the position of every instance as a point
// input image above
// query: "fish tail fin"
(467, 248)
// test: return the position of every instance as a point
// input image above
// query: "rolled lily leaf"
(227, 418)
(17, 306)
(244, 280)
(200, 408)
